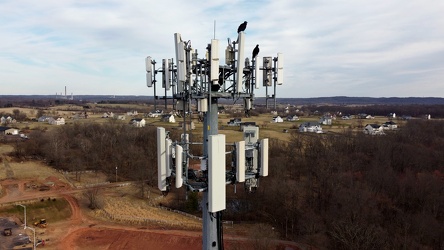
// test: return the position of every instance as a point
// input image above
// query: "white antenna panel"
(280, 69)
(264, 157)
(168, 156)
(214, 60)
(179, 179)
(148, 64)
(181, 66)
(216, 173)
(257, 73)
(161, 164)
(202, 105)
(240, 161)
(240, 62)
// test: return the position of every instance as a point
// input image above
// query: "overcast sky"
(378, 48)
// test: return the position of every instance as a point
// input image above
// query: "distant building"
(373, 129)
(138, 122)
(313, 127)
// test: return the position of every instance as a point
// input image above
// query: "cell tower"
(204, 81)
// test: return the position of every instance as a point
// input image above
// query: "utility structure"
(201, 82)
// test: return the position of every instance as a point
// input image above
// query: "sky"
(378, 48)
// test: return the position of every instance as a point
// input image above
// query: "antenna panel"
(240, 161)
(161, 164)
(240, 62)
(257, 74)
(166, 74)
(267, 76)
(149, 71)
(280, 69)
(264, 157)
(216, 173)
(168, 158)
(179, 166)
(215, 60)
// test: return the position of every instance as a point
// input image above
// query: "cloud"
(340, 47)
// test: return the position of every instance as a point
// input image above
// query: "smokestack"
(65, 91)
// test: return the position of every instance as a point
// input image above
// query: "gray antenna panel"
(202, 105)
(280, 69)
(161, 164)
(240, 161)
(240, 62)
(264, 157)
(179, 179)
(214, 60)
(216, 173)
(168, 156)
(267, 80)
(166, 73)
(149, 71)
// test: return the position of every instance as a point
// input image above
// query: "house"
(406, 117)
(188, 125)
(7, 120)
(313, 127)
(364, 116)
(138, 122)
(108, 115)
(292, 118)
(389, 125)
(132, 113)
(373, 129)
(346, 117)
(56, 121)
(326, 120)
(277, 119)
(155, 114)
(391, 115)
(43, 118)
(168, 118)
(9, 131)
(119, 117)
(234, 122)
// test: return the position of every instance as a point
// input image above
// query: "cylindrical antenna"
(214, 30)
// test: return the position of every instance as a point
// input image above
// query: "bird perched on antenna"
(255, 52)
(242, 27)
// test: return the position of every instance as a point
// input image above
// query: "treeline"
(353, 191)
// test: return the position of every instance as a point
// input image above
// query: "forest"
(332, 191)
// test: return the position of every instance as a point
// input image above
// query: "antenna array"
(204, 81)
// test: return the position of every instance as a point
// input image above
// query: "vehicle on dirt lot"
(41, 223)
(7, 231)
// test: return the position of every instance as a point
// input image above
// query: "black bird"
(255, 51)
(242, 27)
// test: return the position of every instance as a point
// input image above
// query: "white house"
(138, 122)
(373, 129)
(326, 120)
(292, 118)
(56, 121)
(132, 113)
(154, 114)
(277, 119)
(389, 125)
(9, 131)
(168, 118)
(313, 127)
